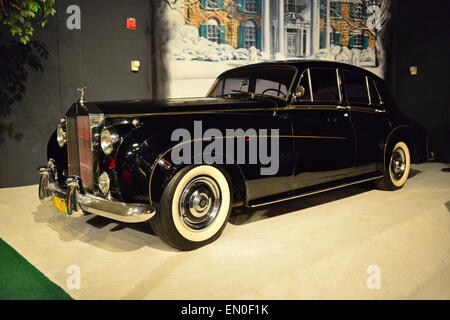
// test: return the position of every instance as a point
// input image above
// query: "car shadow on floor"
(98, 231)
(242, 216)
(116, 236)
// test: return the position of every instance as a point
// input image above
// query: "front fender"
(145, 161)
(55, 152)
(135, 158)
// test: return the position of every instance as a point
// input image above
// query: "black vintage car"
(333, 125)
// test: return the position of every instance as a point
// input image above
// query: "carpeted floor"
(19, 280)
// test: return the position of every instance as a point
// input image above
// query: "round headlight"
(61, 135)
(104, 183)
(108, 139)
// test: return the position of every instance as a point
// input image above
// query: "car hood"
(138, 107)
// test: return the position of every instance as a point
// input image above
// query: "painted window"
(333, 36)
(213, 31)
(290, 6)
(251, 6)
(295, 6)
(357, 40)
(249, 34)
(304, 38)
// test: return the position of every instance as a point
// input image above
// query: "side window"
(324, 85)
(356, 87)
(374, 94)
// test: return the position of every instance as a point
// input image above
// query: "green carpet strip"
(20, 280)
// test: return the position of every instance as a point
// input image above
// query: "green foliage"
(22, 15)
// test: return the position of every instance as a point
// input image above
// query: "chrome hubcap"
(398, 163)
(199, 203)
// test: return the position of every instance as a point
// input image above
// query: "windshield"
(274, 81)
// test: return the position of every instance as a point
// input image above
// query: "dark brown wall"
(421, 38)
(97, 56)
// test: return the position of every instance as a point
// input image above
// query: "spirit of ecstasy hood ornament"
(82, 94)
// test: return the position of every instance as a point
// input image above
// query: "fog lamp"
(61, 135)
(51, 164)
(104, 183)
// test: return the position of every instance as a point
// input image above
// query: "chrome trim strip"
(339, 86)
(116, 210)
(368, 90)
(314, 192)
(304, 105)
(310, 86)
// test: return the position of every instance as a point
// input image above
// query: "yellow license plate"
(60, 204)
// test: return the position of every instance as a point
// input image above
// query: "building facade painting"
(236, 32)
(237, 23)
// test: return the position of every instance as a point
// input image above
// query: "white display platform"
(316, 247)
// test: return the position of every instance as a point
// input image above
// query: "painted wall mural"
(208, 37)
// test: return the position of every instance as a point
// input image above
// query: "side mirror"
(299, 92)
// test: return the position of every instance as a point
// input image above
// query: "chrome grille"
(79, 151)
(85, 152)
(72, 146)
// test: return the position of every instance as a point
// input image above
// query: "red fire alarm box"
(131, 23)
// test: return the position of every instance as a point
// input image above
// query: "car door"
(322, 129)
(369, 119)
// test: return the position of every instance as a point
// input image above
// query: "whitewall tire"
(398, 168)
(194, 207)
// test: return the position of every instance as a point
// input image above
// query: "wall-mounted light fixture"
(135, 65)
(413, 70)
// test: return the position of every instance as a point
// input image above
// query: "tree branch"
(5, 12)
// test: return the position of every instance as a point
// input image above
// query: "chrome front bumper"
(78, 201)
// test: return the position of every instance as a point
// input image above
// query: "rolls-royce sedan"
(265, 133)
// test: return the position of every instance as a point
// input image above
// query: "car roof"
(303, 64)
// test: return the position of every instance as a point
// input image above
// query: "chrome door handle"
(344, 108)
(380, 110)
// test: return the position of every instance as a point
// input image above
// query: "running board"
(305, 194)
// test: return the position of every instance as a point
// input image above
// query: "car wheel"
(397, 172)
(194, 207)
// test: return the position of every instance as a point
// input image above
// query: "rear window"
(374, 94)
(356, 87)
(324, 83)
